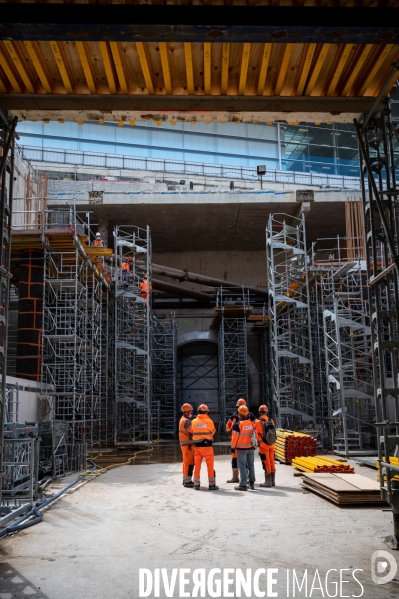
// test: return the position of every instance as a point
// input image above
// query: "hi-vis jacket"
(185, 436)
(259, 429)
(203, 430)
(242, 433)
(235, 418)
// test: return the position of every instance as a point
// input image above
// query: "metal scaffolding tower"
(290, 323)
(378, 144)
(164, 358)
(132, 334)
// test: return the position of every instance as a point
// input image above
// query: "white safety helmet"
(98, 235)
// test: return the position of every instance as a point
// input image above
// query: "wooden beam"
(317, 68)
(246, 51)
(84, 55)
(377, 66)
(338, 69)
(40, 66)
(356, 70)
(311, 49)
(20, 64)
(3, 84)
(163, 49)
(207, 68)
(188, 53)
(264, 65)
(283, 68)
(119, 66)
(8, 69)
(225, 68)
(107, 62)
(145, 66)
(62, 64)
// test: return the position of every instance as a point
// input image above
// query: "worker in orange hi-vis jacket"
(229, 428)
(146, 288)
(125, 266)
(203, 431)
(186, 444)
(266, 435)
(98, 242)
(241, 439)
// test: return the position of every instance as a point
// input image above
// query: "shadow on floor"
(15, 586)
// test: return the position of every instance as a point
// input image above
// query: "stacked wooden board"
(342, 489)
(394, 461)
(290, 445)
(321, 464)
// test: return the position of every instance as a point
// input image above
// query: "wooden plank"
(376, 68)
(8, 69)
(62, 64)
(20, 64)
(163, 49)
(84, 55)
(363, 483)
(107, 62)
(119, 66)
(337, 70)
(267, 48)
(207, 68)
(188, 54)
(145, 66)
(311, 49)
(246, 50)
(225, 68)
(283, 68)
(40, 66)
(317, 68)
(3, 83)
(356, 70)
(331, 482)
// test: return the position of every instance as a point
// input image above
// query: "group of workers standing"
(246, 431)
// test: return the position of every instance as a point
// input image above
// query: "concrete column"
(103, 229)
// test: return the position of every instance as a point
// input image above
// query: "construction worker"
(186, 444)
(241, 440)
(146, 288)
(125, 271)
(266, 445)
(229, 428)
(203, 430)
(98, 242)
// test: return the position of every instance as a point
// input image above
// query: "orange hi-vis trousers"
(199, 454)
(266, 454)
(188, 462)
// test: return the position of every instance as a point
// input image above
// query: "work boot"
(196, 487)
(239, 488)
(268, 480)
(213, 488)
(189, 484)
(234, 478)
(251, 486)
(274, 479)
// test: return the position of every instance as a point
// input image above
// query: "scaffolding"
(290, 323)
(164, 358)
(132, 335)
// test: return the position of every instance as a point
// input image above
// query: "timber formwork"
(290, 323)
(132, 335)
(164, 358)
(378, 144)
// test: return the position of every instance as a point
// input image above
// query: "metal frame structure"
(378, 144)
(290, 323)
(132, 335)
(164, 358)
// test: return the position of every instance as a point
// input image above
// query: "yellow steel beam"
(207, 68)
(40, 66)
(62, 65)
(339, 68)
(246, 51)
(306, 68)
(283, 68)
(163, 49)
(377, 66)
(188, 53)
(356, 70)
(225, 68)
(267, 48)
(119, 66)
(84, 55)
(145, 66)
(317, 68)
(107, 62)
(7, 67)
(20, 64)
(3, 84)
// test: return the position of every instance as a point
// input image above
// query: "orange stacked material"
(290, 445)
(322, 464)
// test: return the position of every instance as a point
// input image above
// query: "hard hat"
(243, 410)
(98, 234)
(241, 402)
(203, 408)
(186, 407)
(263, 409)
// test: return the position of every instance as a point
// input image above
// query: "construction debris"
(343, 490)
(322, 464)
(290, 445)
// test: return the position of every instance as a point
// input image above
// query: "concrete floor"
(92, 543)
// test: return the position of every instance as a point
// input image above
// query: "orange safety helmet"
(203, 408)
(243, 410)
(263, 409)
(186, 407)
(241, 402)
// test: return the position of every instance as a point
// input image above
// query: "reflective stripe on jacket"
(235, 418)
(202, 428)
(242, 433)
(185, 436)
